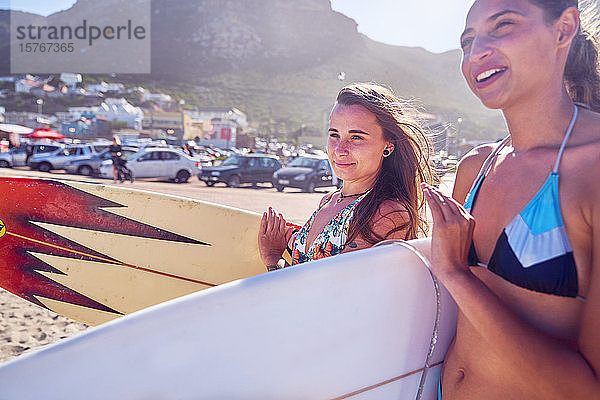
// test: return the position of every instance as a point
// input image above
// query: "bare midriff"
(474, 370)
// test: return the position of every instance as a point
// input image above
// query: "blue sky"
(432, 24)
(43, 7)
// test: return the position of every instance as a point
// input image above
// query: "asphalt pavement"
(296, 206)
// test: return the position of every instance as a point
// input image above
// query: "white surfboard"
(358, 325)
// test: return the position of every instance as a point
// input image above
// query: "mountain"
(279, 60)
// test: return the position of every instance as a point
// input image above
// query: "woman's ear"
(567, 26)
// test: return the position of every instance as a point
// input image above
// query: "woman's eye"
(466, 42)
(502, 24)
(357, 137)
(333, 135)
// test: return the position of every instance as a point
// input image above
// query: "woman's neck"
(355, 187)
(539, 122)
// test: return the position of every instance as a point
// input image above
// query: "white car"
(157, 163)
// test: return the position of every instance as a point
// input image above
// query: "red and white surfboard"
(93, 253)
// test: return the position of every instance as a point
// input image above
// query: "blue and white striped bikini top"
(533, 251)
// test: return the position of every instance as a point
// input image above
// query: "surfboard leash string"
(438, 314)
(436, 324)
(434, 336)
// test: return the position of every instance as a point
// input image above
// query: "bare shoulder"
(389, 216)
(389, 207)
(468, 168)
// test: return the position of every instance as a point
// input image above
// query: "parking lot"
(293, 203)
(296, 205)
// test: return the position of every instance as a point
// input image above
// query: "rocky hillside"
(278, 60)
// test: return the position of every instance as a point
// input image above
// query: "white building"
(71, 80)
(156, 97)
(121, 110)
(75, 113)
(104, 87)
(221, 113)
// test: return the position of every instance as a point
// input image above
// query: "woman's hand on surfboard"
(273, 236)
(452, 233)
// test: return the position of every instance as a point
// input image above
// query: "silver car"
(157, 163)
(91, 165)
(17, 156)
(59, 158)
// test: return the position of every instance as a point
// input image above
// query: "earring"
(386, 153)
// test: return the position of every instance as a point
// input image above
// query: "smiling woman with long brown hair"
(382, 156)
(522, 257)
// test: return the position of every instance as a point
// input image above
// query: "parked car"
(59, 158)
(17, 155)
(157, 163)
(306, 173)
(91, 165)
(238, 169)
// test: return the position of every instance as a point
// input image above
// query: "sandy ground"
(25, 327)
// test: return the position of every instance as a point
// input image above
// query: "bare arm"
(387, 218)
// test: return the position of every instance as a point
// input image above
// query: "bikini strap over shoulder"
(564, 142)
(487, 164)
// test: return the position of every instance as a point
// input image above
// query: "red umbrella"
(45, 133)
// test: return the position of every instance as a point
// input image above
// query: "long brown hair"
(402, 172)
(582, 71)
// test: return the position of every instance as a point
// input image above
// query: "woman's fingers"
(434, 205)
(270, 220)
(263, 224)
(288, 234)
(281, 226)
(448, 207)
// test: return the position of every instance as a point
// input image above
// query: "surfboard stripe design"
(114, 251)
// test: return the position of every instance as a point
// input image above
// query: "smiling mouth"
(485, 76)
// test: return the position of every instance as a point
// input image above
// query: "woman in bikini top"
(522, 257)
(379, 153)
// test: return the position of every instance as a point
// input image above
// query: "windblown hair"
(582, 71)
(402, 172)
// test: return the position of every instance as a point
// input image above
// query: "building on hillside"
(104, 87)
(156, 97)
(28, 119)
(121, 110)
(223, 134)
(162, 123)
(75, 113)
(216, 126)
(224, 113)
(25, 85)
(44, 89)
(71, 80)
(80, 129)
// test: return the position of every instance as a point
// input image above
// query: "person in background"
(115, 151)
(521, 258)
(381, 154)
(28, 152)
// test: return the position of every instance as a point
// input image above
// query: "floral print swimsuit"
(330, 241)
